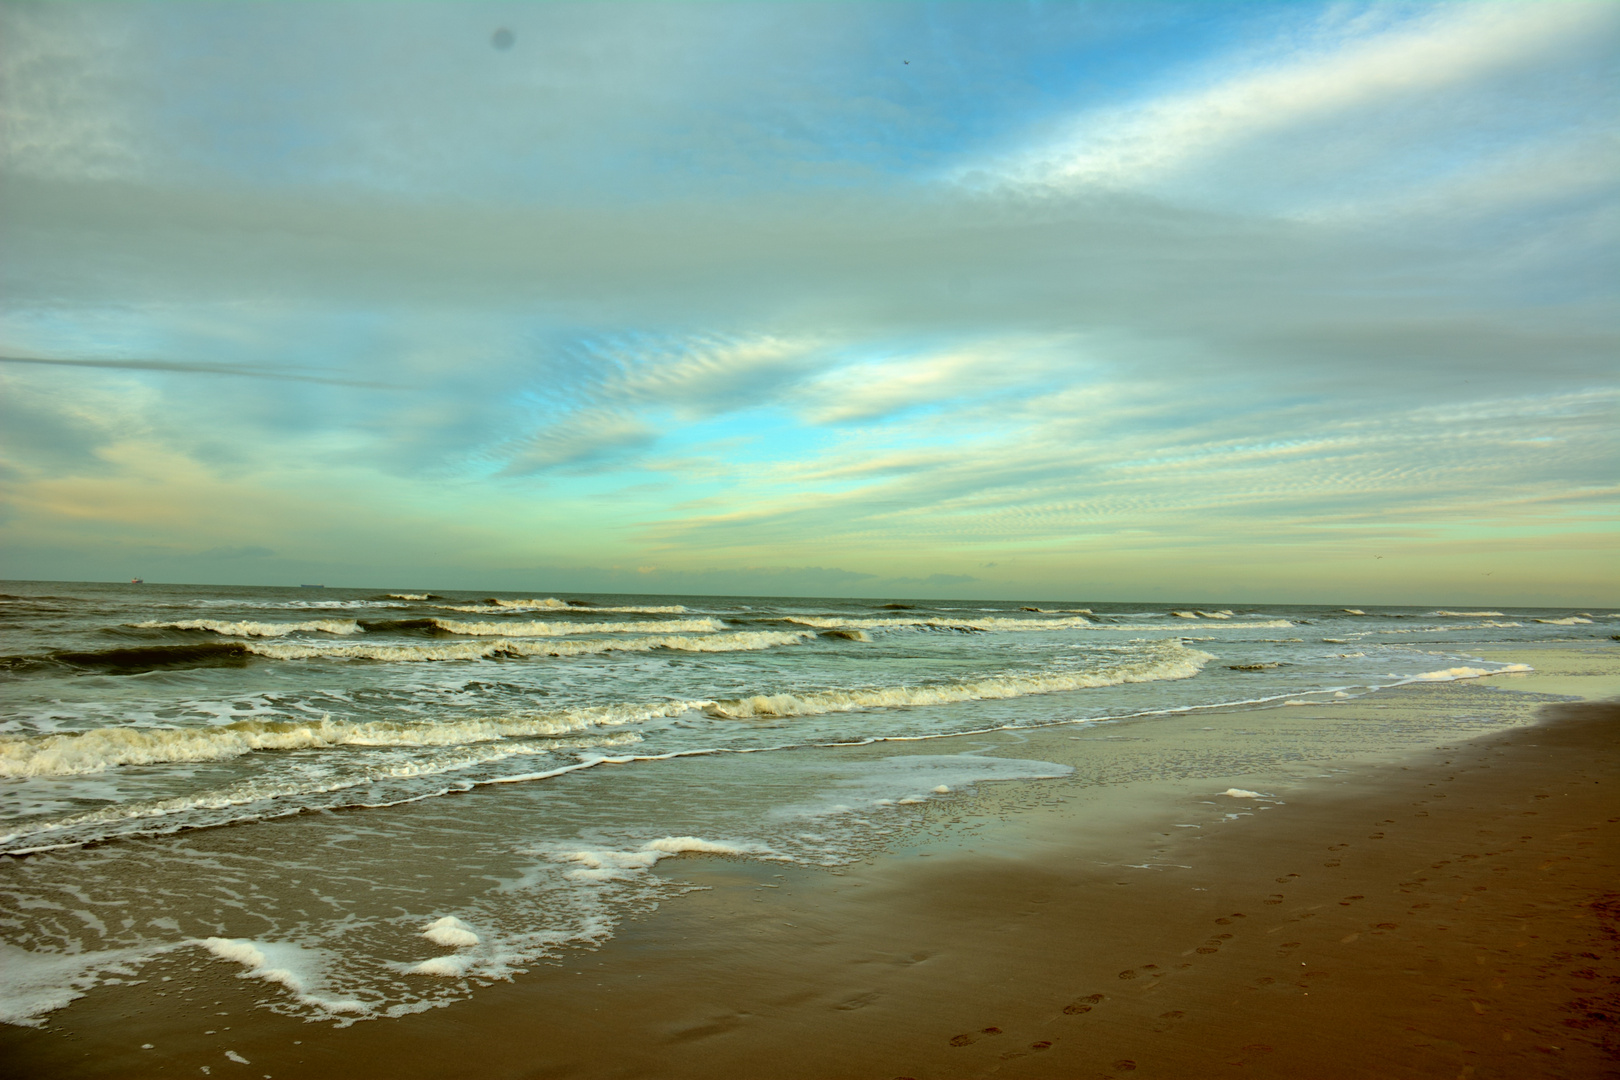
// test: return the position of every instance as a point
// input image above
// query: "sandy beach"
(1442, 911)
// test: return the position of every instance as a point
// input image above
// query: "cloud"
(586, 439)
(1354, 71)
(181, 367)
(1250, 277)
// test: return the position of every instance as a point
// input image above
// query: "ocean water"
(375, 801)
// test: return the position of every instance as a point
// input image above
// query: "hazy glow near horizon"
(1305, 301)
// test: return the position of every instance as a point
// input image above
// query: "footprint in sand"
(1125, 1065)
(974, 1036)
(1175, 1015)
(1274, 898)
(1127, 974)
(1083, 1005)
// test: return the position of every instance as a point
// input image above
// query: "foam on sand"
(450, 932)
(257, 629)
(598, 865)
(1454, 673)
(300, 970)
(33, 983)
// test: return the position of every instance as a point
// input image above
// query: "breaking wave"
(103, 748)
(740, 641)
(1173, 661)
(552, 629)
(256, 629)
(551, 603)
(148, 658)
(829, 622)
(67, 754)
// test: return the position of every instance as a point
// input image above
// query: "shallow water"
(430, 791)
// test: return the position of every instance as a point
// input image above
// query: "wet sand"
(1434, 912)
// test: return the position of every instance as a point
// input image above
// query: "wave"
(1468, 614)
(1451, 628)
(551, 603)
(236, 654)
(827, 622)
(148, 658)
(1573, 620)
(83, 826)
(741, 641)
(553, 629)
(1174, 661)
(101, 749)
(414, 596)
(1059, 611)
(256, 629)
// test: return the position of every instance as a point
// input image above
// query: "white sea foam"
(1354, 611)
(454, 966)
(450, 932)
(1222, 614)
(1573, 620)
(257, 629)
(222, 804)
(1467, 614)
(741, 641)
(1454, 673)
(408, 596)
(598, 865)
(1174, 661)
(551, 603)
(1185, 614)
(833, 622)
(33, 983)
(100, 749)
(1174, 628)
(553, 629)
(1243, 793)
(300, 970)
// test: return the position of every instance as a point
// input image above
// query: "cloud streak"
(1078, 289)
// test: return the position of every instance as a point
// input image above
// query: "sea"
(371, 802)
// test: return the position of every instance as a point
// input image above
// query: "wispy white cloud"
(1386, 75)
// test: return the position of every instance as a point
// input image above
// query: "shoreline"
(1016, 907)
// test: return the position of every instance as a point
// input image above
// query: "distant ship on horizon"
(137, 581)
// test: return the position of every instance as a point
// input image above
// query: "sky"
(1309, 302)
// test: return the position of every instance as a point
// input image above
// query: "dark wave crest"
(133, 661)
(429, 627)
